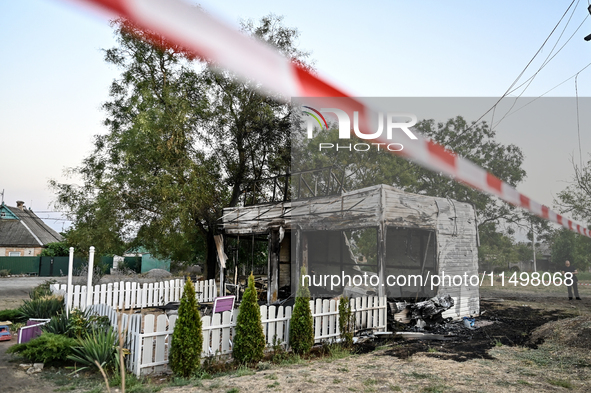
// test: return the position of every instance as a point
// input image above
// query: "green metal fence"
(58, 266)
(20, 265)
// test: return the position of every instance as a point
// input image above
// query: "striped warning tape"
(192, 28)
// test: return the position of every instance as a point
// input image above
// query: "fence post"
(89, 280)
(69, 293)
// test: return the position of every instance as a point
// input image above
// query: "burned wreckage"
(372, 241)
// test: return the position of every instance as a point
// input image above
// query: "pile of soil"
(500, 325)
(571, 332)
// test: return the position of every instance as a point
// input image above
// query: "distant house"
(22, 232)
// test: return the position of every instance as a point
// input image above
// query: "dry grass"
(553, 366)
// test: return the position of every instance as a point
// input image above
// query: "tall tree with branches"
(183, 140)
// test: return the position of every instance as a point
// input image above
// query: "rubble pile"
(423, 314)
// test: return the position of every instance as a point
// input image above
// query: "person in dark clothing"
(574, 287)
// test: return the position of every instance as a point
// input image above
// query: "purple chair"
(32, 330)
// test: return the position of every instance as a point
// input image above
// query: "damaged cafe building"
(379, 234)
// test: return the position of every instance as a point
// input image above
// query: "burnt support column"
(296, 258)
(381, 254)
(273, 267)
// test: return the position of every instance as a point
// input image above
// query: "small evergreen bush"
(249, 343)
(346, 322)
(47, 348)
(187, 339)
(301, 326)
(13, 316)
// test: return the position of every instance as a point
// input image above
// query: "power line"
(530, 80)
(526, 67)
(548, 91)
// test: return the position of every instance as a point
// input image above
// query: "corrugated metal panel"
(20, 265)
(59, 267)
(149, 263)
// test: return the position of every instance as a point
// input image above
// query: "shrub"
(99, 346)
(301, 327)
(58, 324)
(346, 322)
(47, 348)
(45, 307)
(42, 290)
(13, 316)
(249, 343)
(187, 339)
(4, 272)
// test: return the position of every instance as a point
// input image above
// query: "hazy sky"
(53, 77)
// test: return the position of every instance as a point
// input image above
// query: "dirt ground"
(529, 340)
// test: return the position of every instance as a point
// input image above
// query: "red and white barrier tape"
(190, 27)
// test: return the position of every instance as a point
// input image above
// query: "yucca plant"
(100, 346)
(58, 324)
(45, 307)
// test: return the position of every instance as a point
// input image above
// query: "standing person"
(574, 287)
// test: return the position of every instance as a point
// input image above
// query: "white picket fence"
(124, 295)
(149, 335)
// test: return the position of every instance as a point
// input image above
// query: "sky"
(53, 77)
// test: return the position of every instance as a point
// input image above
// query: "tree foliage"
(567, 245)
(187, 338)
(301, 326)
(249, 342)
(56, 249)
(576, 197)
(475, 142)
(183, 141)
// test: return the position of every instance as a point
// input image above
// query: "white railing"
(149, 335)
(124, 295)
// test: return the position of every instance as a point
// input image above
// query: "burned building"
(396, 239)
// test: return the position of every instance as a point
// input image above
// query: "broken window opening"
(351, 252)
(410, 253)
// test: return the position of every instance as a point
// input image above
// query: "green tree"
(56, 249)
(301, 325)
(567, 245)
(476, 142)
(498, 249)
(187, 338)
(576, 197)
(249, 342)
(183, 142)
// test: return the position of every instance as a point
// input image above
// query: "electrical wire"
(548, 91)
(530, 80)
(526, 67)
